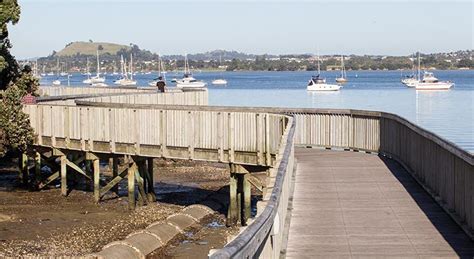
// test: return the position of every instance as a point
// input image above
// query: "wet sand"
(45, 223)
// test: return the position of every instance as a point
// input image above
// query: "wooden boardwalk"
(349, 204)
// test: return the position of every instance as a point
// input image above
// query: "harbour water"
(449, 114)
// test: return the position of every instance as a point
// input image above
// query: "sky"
(275, 27)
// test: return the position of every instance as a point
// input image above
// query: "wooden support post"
(63, 163)
(246, 201)
(115, 173)
(142, 199)
(37, 167)
(131, 186)
(151, 195)
(23, 169)
(233, 212)
(96, 169)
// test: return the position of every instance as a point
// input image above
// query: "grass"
(90, 48)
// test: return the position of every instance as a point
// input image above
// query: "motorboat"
(57, 82)
(99, 84)
(343, 78)
(430, 82)
(188, 81)
(219, 82)
(318, 83)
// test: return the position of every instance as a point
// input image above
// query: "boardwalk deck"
(349, 204)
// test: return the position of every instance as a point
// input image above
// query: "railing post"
(23, 168)
(96, 168)
(131, 186)
(63, 161)
(233, 210)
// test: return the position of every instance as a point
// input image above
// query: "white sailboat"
(343, 78)
(88, 74)
(318, 83)
(97, 79)
(124, 80)
(57, 81)
(188, 81)
(412, 80)
(161, 73)
(219, 81)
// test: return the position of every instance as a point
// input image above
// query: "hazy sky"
(276, 27)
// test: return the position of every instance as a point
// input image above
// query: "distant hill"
(90, 48)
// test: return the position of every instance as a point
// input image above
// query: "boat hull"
(191, 85)
(323, 87)
(219, 82)
(434, 86)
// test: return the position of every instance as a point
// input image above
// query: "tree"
(9, 13)
(15, 130)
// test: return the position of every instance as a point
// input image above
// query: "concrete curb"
(142, 243)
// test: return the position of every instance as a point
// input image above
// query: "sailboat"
(411, 81)
(57, 81)
(35, 71)
(318, 83)
(220, 81)
(97, 79)
(64, 73)
(188, 81)
(342, 79)
(161, 73)
(88, 74)
(124, 80)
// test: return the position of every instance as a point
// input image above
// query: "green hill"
(90, 48)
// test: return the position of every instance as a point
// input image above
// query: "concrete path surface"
(357, 205)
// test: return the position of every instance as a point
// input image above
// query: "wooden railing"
(238, 137)
(167, 98)
(171, 97)
(78, 90)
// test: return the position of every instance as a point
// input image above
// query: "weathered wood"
(63, 164)
(233, 210)
(246, 201)
(150, 181)
(37, 166)
(96, 169)
(131, 186)
(115, 173)
(48, 180)
(23, 169)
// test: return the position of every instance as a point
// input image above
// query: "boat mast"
(418, 66)
(131, 66)
(343, 69)
(319, 69)
(87, 67)
(98, 65)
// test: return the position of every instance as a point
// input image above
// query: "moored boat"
(318, 83)
(430, 82)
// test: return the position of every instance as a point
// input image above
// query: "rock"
(4, 217)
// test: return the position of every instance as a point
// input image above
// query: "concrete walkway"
(349, 204)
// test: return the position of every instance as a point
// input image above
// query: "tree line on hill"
(145, 60)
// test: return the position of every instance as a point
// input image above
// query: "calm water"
(449, 114)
